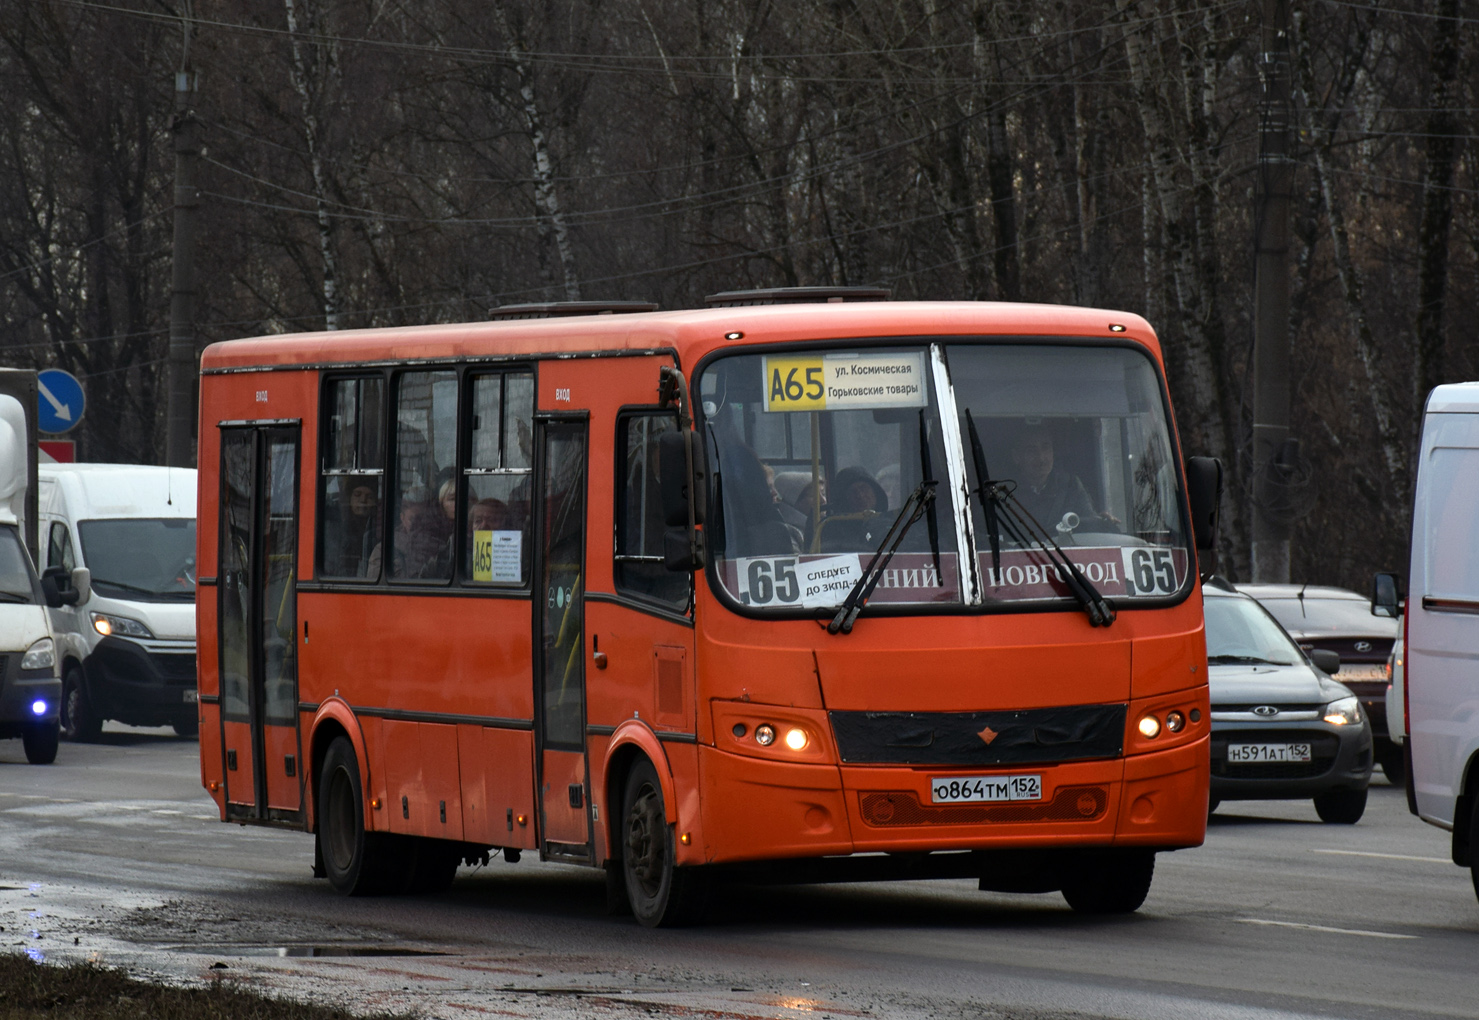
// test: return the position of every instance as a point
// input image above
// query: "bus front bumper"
(764, 809)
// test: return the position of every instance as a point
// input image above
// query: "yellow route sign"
(852, 380)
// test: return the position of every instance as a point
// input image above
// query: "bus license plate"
(984, 789)
(191, 695)
(1267, 753)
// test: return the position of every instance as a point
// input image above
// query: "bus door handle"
(600, 659)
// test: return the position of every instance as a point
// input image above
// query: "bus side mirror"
(1325, 660)
(56, 588)
(1204, 493)
(1386, 594)
(682, 481)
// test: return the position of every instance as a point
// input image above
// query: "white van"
(128, 651)
(1441, 650)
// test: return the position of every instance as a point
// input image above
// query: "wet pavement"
(115, 855)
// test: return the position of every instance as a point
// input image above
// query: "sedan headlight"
(41, 655)
(106, 624)
(1345, 712)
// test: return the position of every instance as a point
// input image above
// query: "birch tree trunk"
(302, 78)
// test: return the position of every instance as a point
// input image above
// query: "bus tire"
(80, 723)
(661, 893)
(356, 862)
(40, 740)
(1109, 881)
(1341, 807)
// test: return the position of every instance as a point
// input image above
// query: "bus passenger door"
(559, 620)
(258, 622)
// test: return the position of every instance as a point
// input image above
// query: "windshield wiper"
(997, 495)
(125, 586)
(1247, 660)
(11, 596)
(862, 590)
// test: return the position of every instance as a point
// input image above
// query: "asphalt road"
(114, 854)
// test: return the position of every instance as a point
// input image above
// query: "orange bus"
(799, 587)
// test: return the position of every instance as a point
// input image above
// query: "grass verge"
(34, 991)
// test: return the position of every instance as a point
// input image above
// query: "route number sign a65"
(845, 381)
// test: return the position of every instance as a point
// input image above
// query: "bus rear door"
(258, 622)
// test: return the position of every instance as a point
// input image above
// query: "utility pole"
(1275, 454)
(181, 370)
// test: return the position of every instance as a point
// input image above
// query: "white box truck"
(127, 652)
(30, 689)
(1441, 645)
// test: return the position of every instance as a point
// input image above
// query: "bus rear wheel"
(1109, 881)
(661, 893)
(356, 862)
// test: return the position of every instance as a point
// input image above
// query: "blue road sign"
(59, 395)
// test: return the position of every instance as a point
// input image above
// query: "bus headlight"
(1150, 727)
(106, 624)
(765, 734)
(1345, 712)
(796, 739)
(41, 655)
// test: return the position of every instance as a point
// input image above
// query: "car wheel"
(1109, 881)
(79, 722)
(187, 727)
(1212, 806)
(1389, 757)
(356, 862)
(41, 741)
(1474, 835)
(1341, 807)
(661, 893)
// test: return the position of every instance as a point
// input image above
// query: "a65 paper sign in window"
(844, 381)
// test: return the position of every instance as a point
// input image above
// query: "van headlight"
(1345, 712)
(106, 624)
(41, 655)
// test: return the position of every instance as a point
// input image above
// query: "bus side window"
(353, 476)
(424, 513)
(497, 478)
(639, 566)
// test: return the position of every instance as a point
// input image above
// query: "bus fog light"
(795, 739)
(1175, 722)
(765, 734)
(38, 707)
(1150, 726)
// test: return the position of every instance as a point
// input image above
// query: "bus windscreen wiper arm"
(862, 590)
(997, 495)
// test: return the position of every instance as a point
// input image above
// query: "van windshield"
(140, 558)
(17, 578)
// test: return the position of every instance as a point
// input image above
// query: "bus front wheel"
(1109, 881)
(356, 862)
(661, 893)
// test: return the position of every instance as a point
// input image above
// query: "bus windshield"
(814, 453)
(143, 559)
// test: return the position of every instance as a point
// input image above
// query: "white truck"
(30, 689)
(1441, 646)
(127, 651)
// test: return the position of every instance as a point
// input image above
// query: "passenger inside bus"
(1047, 492)
(753, 524)
(352, 527)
